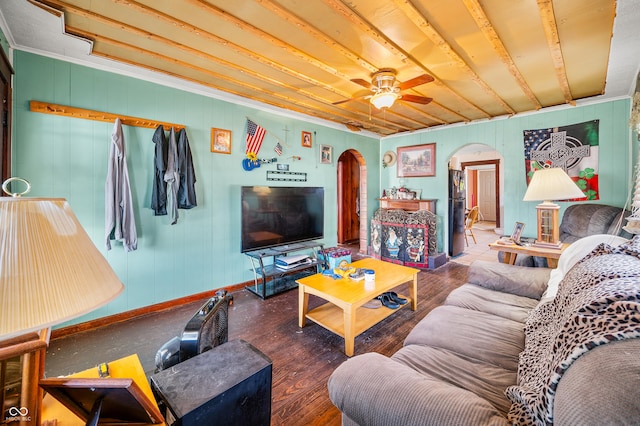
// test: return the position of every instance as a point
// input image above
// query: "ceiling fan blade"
(361, 82)
(417, 99)
(361, 94)
(341, 102)
(417, 81)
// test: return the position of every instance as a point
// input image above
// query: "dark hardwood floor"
(303, 359)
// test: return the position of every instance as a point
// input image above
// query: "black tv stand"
(269, 279)
(289, 247)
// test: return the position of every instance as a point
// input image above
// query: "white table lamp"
(548, 185)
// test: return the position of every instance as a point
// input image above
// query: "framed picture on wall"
(417, 160)
(221, 141)
(326, 154)
(307, 141)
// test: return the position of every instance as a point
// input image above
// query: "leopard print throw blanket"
(598, 301)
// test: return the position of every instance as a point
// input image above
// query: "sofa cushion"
(371, 389)
(518, 280)
(497, 341)
(488, 381)
(505, 305)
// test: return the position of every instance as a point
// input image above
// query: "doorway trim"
(364, 211)
(496, 163)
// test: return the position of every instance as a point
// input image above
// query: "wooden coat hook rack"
(87, 114)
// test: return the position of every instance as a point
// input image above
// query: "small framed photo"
(282, 167)
(517, 232)
(307, 141)
(221, 141)
(326, 154)
(417, 160)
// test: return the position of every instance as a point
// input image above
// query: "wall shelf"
(88, 114)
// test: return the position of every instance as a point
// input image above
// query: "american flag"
(278, 149)
(255, 135)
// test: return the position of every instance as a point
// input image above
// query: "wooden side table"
(511, 251)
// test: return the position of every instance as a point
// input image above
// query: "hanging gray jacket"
(159, 191)
(119, 218)
(171, 175)
(186, 190)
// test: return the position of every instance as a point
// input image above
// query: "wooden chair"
(472, 218)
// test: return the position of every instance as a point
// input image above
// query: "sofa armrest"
(518, 280)
(615, 367)
(372, 389)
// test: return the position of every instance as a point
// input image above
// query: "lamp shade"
(50, 270)
(552, 184)
(384, 99)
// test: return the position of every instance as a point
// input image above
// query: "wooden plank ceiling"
(487, 58)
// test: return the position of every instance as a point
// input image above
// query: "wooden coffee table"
(344, 314)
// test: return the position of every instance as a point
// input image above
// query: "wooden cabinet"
(408, 205)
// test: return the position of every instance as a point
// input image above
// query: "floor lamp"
(50, 272)
(548, 185)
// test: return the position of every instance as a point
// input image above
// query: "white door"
(487, 194)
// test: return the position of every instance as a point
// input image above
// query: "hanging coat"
(159, 191)
(186, 190)
(119, 218)
(172, 177)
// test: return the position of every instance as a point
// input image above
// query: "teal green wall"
(67, 158)
(506, 137)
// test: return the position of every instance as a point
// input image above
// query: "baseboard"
(125, 316)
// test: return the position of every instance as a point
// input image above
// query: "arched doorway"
(352, 199)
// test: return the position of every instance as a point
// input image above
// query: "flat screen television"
(280, 216)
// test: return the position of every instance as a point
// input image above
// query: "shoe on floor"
(394, 296)
(387, 301)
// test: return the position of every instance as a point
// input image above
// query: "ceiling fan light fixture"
(384, 99)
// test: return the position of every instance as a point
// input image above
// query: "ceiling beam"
(200, 33)
(267, 37)
(374, 33)
(313, 32)
(291, 104)
(391, 116)
(421, 22)
(147, 35)
(477, 13)
(553, 39)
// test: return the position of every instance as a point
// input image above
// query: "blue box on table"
(334, 255)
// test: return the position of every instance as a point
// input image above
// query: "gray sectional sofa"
(514, 345)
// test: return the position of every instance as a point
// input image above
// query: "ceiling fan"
(386, 89)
